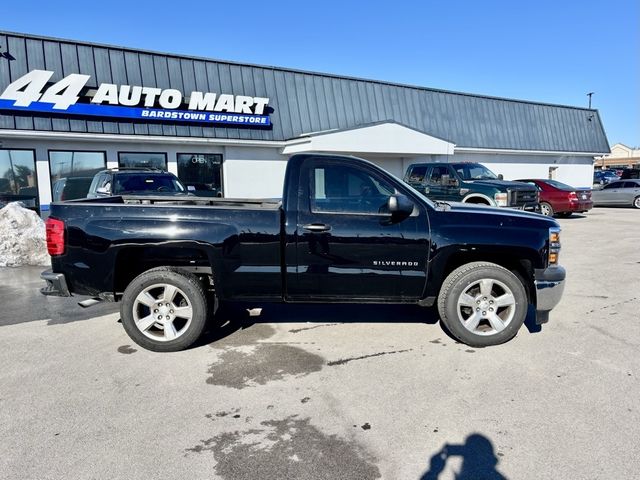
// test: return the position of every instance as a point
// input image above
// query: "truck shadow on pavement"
(232, 317)
(477, 457)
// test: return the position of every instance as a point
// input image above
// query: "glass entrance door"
(201, 173)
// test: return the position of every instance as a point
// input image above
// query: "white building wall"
(574, 175)
(574, 170)
(253, 172)
(258, 171)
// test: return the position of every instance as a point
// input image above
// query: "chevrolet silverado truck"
(468, 182)
(344, 231)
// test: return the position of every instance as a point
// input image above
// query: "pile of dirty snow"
(22, 237)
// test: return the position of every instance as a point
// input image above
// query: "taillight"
(55, 236)
(573, 197)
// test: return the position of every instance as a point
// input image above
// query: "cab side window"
(435, 177)
(105, 181)
(612, 185)
(346, 189)
(417, 175)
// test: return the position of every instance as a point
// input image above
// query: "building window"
(201, 173)
(142, 160)
(73, 172)
(18, 177)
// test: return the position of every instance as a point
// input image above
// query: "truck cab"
(470, 183)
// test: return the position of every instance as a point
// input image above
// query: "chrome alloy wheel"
(486, 307)
(162, 312)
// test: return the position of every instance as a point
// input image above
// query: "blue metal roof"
(303, 102)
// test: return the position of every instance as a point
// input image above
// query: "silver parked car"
(621, 193)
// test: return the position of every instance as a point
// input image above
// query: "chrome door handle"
(317, 227)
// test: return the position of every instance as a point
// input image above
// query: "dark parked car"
(345, 231)
(630, 174)
(135, 181)
(71, 188)
(620, 193)
(557, 198)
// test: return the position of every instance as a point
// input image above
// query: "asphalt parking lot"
(333, 392)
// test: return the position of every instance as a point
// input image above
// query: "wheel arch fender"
(478, 196)
(190, 256)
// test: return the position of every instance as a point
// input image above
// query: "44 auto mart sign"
(34, 93)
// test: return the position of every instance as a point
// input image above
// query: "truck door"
(611, 194)
(441, 184)
(347, 244)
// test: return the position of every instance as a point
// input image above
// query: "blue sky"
(548, 51)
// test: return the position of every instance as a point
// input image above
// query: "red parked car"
(557, 198)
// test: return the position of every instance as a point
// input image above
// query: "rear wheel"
(636, 202)
(164, 309)
(546, 209)
(482, 304)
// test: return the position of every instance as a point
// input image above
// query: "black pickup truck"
(344, 231)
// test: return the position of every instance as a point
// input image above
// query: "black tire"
(546, 209)
(464, 278)
(636, 202)
(190, 293)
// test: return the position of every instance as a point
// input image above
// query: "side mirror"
(500, 176)
(400, 205)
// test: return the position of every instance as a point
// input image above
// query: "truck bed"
(110, 240)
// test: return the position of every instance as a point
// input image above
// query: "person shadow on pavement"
(478, 460)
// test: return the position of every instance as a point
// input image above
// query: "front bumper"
(549, 284)
(56, 284)
(528, 207)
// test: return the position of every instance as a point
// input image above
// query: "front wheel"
(164, 309)
(636, 202)
(482, 304)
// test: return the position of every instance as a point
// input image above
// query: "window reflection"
(18, 177)
(142, 160)
(72, 173)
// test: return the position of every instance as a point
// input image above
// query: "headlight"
(501, 199)
(554, 246)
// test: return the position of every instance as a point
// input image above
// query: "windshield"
(147, 183)
(474, 171)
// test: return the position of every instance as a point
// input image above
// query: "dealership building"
(69, 109)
